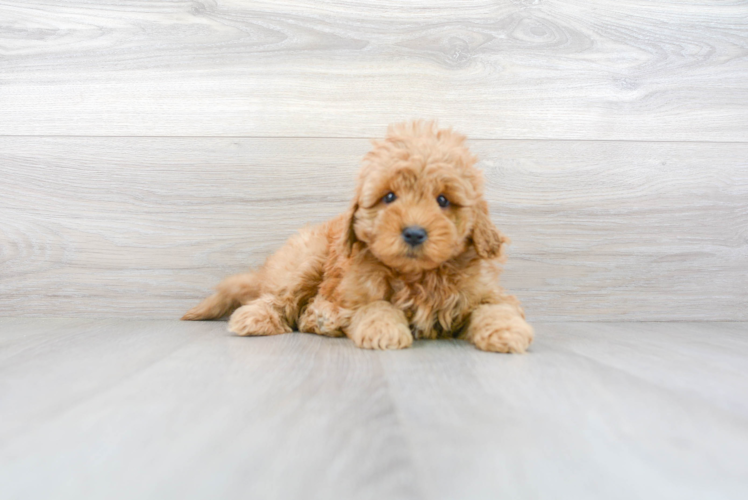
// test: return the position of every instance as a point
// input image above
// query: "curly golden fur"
(357, 275)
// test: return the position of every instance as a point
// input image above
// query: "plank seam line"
(44, 136)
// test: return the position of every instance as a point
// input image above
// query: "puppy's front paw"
(380, 326)
(499, 328)
(384, 335)
(258, 317)
(323, 318)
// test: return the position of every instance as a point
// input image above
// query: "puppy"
(415, 256)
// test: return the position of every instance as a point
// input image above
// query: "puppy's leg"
(230, 294)
(323, 318)
(260, 317)
(499, 328)
(291, 275)
(380, 325)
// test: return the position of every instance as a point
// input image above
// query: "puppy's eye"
(389, 197)
(442, 201)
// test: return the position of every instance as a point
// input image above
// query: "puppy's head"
(419, 201)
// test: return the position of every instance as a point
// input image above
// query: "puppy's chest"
(433, 308)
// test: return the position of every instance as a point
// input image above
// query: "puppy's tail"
(231, 293)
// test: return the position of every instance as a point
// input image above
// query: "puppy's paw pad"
(385, 335)
(257, 318)
(513, 336)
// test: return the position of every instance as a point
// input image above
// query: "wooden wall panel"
(143, 227)
(521, 69)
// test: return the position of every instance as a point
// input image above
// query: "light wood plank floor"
(163, 409)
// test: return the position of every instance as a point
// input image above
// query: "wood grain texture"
(685, 357)
(165, 409)
(144, 227)
(633, 69)
(556, 424)
(188, 412)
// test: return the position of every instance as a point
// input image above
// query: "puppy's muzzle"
(414, 235)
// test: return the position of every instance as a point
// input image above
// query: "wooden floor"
(166, 409)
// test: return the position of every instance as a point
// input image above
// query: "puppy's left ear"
(487, 240)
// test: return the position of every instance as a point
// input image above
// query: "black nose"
(414, 235)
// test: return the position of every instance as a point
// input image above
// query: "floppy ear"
(487, 240)
(348, 234)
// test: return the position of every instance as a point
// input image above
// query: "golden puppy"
(415, 256)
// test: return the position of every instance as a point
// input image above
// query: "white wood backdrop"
(149, 148)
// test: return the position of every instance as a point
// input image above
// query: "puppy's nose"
(414, 235)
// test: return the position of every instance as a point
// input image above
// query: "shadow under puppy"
(415, 256)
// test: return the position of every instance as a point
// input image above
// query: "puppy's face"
(419, 201)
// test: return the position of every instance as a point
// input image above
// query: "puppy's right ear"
(348, 234)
